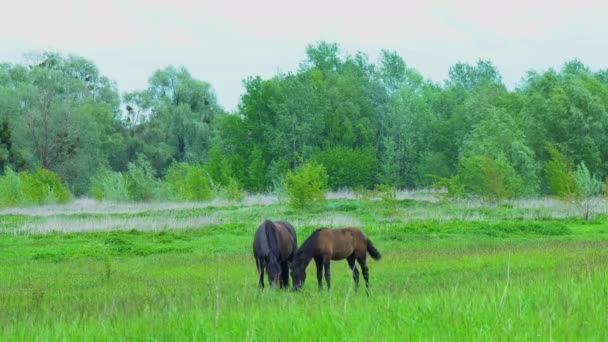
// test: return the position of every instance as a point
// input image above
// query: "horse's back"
(260, 242)
(287, 238)
(343, 242)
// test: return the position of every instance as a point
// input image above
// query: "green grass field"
(450, 271)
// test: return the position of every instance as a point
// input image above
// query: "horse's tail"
(372, 250)
(271, 237)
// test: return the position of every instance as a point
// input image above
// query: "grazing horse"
(274, 245)
(333, 244)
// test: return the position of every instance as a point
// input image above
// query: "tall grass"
(535, 290)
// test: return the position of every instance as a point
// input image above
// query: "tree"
(589, 188)
(256, 170)
(559, 175)
(471, 77)
(173, 115)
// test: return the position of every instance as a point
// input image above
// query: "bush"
(11, 194)
(306, 186)
(383, 195)
(187, 182)
(111, 186)
(233, 191)
(589, 188)
(388, 196)
(142, 184)
(41, 187)
(482, 176)
(44, 187)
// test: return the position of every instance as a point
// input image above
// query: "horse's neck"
(307, 256)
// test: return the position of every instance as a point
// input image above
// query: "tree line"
(365, 123)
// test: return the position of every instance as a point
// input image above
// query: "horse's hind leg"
(259, 262)
(353, 267)
(365, 272)
(284, 275)
(319, 264)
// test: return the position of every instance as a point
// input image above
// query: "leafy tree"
(471, 77)
(559, 175)
(256, 170)
(348, 167)
(8, 156)
(589, 188)
(173, 115)
(486, 177)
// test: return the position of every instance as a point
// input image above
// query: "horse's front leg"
(319, 264)
(259, 262)
(327, 273)
(284, 275)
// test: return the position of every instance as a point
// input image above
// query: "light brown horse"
(274, 246)
(333, 244)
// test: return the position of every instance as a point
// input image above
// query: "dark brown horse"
(274, 246)
(333, 244)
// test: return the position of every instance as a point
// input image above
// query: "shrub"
(142, 184)
(40, 187)
(383, 195)
(43, 187)
(233, 191)
(187, 182)
(388, 196)
(306, 186)
(482, 176)
(11, 193)
(111, 186)
(589, 188)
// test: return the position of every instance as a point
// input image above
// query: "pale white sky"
(224, 41)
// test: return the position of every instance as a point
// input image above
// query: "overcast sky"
(224, 41)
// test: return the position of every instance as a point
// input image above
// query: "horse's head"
(298, 275)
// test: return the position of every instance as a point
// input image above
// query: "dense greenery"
(440, 278)
(366, 123)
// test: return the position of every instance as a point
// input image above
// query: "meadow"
(451, 270)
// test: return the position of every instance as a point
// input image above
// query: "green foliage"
(12, 193)
(559, 175)
(588, 185)
(44, 187)
(188, 182)
(256, 171)
(233, 191)
(218, 167)
(306, 186)
(110, 186)
(589, 188)
(25, 188)
(348, 167)
(494, 179)
(365, 122)
(141, 182)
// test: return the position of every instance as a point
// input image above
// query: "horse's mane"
(271, 237)
(309, 243)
